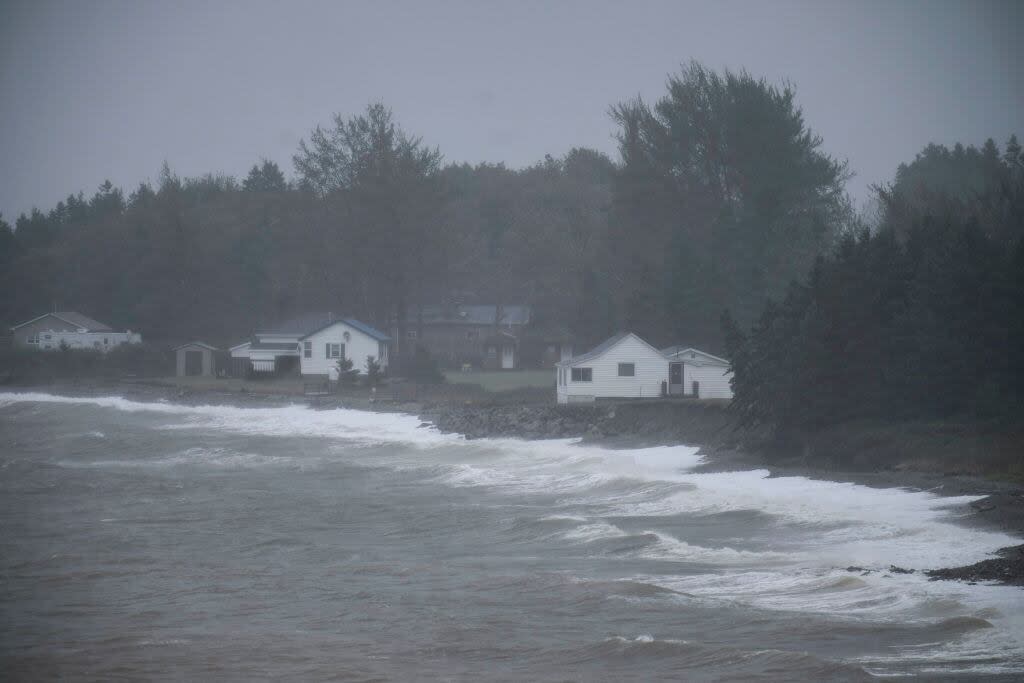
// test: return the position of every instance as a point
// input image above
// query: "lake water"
(157, 541)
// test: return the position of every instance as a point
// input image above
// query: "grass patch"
(508, 380)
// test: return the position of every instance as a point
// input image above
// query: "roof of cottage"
(73, 318)
(679, 351)
(368, 330)
(197, 343)
(604, 346)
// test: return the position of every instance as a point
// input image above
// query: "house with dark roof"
(48, 332)
(482, 335)
(311, 345)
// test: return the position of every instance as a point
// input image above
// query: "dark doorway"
(675, 373)
(286, 365)
(193, 363)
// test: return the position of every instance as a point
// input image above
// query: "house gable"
(636, 344)
(694, 356)
(197, 345)
(624, 366)
(317, 350)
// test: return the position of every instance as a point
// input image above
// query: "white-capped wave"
(217, 458)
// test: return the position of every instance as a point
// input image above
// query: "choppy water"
(156, 541)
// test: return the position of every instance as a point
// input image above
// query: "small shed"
(196, 359)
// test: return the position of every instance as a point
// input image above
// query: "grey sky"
(95, 90)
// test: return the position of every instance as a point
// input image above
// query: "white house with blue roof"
(340, 339)
(313, 344)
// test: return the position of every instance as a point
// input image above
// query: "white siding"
(714, 382)
(50, 340)
(651, 370)
(358, 346)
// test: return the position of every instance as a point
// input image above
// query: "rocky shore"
(919, 458)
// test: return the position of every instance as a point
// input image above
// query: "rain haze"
(98, 90)
(519, 341)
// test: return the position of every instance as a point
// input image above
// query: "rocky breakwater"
(522, 421)
(654, 421)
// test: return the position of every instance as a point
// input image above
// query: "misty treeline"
(921, 317)
(720, 197)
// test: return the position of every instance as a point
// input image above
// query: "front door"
(675, 378)
(193, 363)
(508, 357)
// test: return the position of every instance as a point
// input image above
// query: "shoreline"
(999, 506)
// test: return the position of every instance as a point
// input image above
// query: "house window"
(411, 334)
(335, 350)
(307, 349)
(34, 339)
(47, 337)
(106, 340)
(582, 374)
(347, 337)
(627, 369)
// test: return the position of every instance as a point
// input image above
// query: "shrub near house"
(345, 339)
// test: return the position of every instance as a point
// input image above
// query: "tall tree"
(383, 184)
(724, 196)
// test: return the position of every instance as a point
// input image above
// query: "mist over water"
(174, 542)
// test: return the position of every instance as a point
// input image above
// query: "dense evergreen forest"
(721, 200)
(921, 317)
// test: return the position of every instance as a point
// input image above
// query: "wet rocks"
(523, 421)
(1009, 568)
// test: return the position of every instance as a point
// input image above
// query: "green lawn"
(504, 381)
(270, 385)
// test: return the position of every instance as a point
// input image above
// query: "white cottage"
(344, 338)
(697, 373)
(311, 345)
(624, 366)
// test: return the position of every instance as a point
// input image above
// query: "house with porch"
(311, 345)
(626, 366)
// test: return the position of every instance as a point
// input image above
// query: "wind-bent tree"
(382, 184)
(725, 195)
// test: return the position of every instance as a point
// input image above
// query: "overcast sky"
(96, 90)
